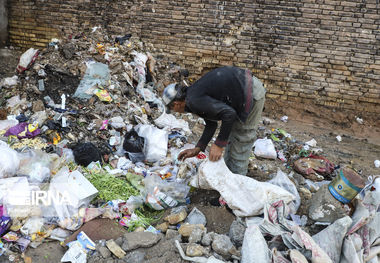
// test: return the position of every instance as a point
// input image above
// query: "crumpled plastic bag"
(265, 148)
(9, 161)
(26, 59)
(283, 181)
(244, 195)
(170, 122)
(9, 82)
(35, 165)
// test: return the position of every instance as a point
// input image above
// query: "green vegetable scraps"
(109, 186)
(146, 218)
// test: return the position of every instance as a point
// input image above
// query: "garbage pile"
(85, 143)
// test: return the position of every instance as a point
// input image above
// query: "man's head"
(174, 97)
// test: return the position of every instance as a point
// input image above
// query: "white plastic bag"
(35, 165)
(283, 181)
(32, 226)
(117, 122)
(244, 195)
(9, 161)
(26, 59)
(9, 82)
(170, 122)
(265, 148)
(6, 124)
(156, 142)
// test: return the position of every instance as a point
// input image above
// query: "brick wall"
(312, 51)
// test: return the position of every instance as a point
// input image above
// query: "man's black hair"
(181, 92)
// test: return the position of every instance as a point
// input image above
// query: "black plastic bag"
(134, 146)
(85, 153)
(133, 143)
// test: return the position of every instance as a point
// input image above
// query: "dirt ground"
(360, 147)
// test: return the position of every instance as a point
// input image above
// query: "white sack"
(244, 195)
(304, 239)
(255, 248)
(349, 253)
(331, 238)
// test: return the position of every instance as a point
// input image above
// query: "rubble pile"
(88, 157)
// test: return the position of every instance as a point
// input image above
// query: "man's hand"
(216, 153)
(188, 153)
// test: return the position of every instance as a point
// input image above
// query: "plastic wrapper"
(10, 236)
(156, 142)
(264, 148)
(27, 59)
(5, 223)
(23, 243)
(244, 195)
(24, 130)
(103, 95)
(78, 249)
(9, 161)
(140, 61)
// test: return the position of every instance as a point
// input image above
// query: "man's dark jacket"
(222, 94)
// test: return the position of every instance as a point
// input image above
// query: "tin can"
(346, 185)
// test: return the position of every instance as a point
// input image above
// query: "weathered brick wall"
(311, 51)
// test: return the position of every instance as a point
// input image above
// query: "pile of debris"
(85, 142)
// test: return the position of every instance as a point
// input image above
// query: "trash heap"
(85, 145)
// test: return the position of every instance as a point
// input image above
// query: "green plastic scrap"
(274, 138)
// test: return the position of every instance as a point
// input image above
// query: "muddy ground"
(359, 147)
